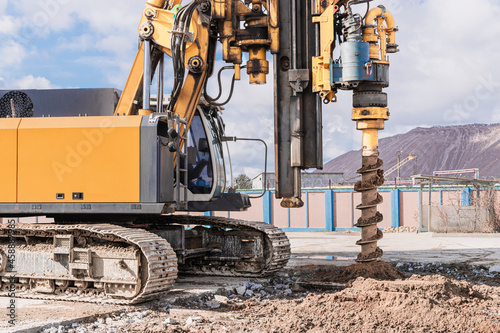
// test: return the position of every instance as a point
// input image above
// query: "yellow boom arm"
(155, 30)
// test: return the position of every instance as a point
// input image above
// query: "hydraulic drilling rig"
(362, 66)
(111, 180)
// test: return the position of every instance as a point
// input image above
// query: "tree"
(243, 182)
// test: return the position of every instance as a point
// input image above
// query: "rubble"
(494, 269)
(433, 297)
(473, 273)
(213, 304)
(221, 299)
(241, 290)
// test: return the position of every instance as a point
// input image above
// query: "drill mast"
(302, 36)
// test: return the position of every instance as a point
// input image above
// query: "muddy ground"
(403, 297)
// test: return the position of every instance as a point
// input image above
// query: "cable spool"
(23, 105)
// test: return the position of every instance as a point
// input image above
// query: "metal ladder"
(181, 170)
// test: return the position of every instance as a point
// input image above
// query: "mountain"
(436, 148)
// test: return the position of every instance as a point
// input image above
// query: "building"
(309, 180)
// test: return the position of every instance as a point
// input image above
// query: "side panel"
(157, 163)
(8, 160)
(149, 161)
(98, 157)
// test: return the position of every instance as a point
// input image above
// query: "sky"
(447, 73)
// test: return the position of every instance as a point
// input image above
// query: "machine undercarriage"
(134, 263)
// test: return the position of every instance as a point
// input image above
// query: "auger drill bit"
(370, 111)
(363, 67)
(370, 120)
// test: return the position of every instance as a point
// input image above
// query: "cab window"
(200, 173)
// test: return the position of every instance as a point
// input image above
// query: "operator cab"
(206, 171)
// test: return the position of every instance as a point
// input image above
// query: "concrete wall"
(309, 180)
(409, 209)
(446, 219)
(336, 209)
(330, 210)
(460, 210)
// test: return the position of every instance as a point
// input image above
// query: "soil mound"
(438, 288)
(419, 304)
(378, 270)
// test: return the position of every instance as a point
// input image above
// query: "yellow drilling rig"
(112, 182)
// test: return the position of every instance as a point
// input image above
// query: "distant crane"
(399, 165)
(462, 171)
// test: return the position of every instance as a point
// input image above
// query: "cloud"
(8, 25)
(31, 82)
(253, 172)
(48, 16)
(3, 5)
(445, 73)
(12, 53)
(62, 29)
(443, 62)
(496, 114)
(80, 43)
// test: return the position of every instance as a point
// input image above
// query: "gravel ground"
(422, 298)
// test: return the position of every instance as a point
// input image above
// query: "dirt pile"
(378, 270)
(419, 304)
(415, 304)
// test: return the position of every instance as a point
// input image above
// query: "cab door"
(206, 171)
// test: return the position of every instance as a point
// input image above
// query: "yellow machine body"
(96, 158)
(8, 159)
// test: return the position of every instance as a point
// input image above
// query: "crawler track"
(156, 263)
(156, 255)
(276, 251)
